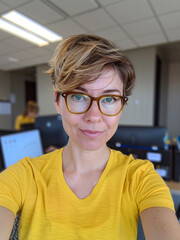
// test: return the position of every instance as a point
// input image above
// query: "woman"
(28, 115)
(86, 190)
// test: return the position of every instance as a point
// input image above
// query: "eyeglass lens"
(79, 103)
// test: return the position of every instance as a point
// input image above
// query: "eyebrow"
(106, 91)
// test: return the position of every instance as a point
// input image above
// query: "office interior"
(148, 31)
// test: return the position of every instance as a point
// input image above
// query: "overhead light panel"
(32, 26)
(21, 26)
(19, 32)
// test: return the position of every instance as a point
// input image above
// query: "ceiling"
(129, 23)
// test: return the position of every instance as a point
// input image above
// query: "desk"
(173, 185)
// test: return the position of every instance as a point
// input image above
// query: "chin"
(94, 146)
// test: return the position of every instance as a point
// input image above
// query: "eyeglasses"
(109, 105)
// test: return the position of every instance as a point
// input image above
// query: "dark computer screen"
(52, 131)
(6, 131)
(28, 126)
(19, 145)
(138, 136)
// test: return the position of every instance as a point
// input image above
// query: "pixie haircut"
(83, 58)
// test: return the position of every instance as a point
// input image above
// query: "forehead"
(106, 81)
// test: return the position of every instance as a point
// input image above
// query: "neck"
(75, 159)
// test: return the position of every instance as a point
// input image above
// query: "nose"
(93, 114)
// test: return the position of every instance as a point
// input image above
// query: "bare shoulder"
(6, 223)
(160, 223)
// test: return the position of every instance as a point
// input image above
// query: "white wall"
(163, 95)
(5, 91)
(44, 91)
(140, 108)
(163, 88)
(18, 90)
(173, 107)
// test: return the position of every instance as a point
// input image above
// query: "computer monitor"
(19, 145)
(28, 126)
(6, 131)
(52, 131)
(144, 143)
(138, 136)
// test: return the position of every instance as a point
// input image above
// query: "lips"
(90, 133)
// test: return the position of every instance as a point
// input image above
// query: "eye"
(78, 97)
(108, 99)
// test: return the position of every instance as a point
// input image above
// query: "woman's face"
(91, 130)
(32, 114)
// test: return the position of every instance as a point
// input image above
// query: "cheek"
(70, 121)
(113, 123)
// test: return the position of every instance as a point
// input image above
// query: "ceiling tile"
(66, 28)
(51, 47)
(130, 10)
(38, 51)
(14, 3)
(126, 44)
(166, 6)
(113, 34)
(5, 49)
(170, 21)
(3, 35)
(18, 65)
(40, 12)
(5, 67)
(151, 39)
(144, 27)
(17, 43)
(107, 2)
(173, 35)
(76, 6)
(4, 60)
(3, 8)
(42, 59)
(135, 18)
(30, 54)
(95, 20)
(21, 55)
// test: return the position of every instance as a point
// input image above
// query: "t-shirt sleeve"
(13, 186)
(150, 188)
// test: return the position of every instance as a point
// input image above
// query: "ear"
(56, 102)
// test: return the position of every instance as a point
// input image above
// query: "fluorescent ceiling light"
(30, 25)
(8, 27)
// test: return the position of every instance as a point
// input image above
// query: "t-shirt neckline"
(96, 188)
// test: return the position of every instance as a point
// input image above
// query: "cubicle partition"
(145, 143)
(176, 165)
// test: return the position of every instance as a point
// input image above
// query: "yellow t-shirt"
(37, 190)
(23, 120)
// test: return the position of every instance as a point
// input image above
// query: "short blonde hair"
(83, 58)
